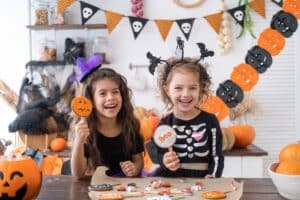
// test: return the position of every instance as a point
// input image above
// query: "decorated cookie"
(81, 106)
(110, 196)
(164, 136)
(214, 195)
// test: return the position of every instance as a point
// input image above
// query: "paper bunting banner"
(164, 27)
(87, 11)
(259, 7)
(62, 5)
(238, 14)
(278, 2)
(186, 26)
(214, 21)
(137, 25)
(112, 19)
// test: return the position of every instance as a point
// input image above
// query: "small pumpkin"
(228, 139)
(245, 76)
(148, 126)
(58, 144)
(244, 135)
(289, 167)
(215, 105)
(272, 41)
(20, 178)
(81, 106)
(52, 165)
(290, 152)
(292, 6)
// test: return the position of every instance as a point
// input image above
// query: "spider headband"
(155, 61)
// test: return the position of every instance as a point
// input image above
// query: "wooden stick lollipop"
(164, 137)
(82, 106)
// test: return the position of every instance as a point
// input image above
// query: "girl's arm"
(138, 161)
(78, 159)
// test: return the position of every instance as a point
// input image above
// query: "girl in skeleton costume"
(197, 152)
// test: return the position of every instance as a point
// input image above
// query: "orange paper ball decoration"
(292, 6)
(289, 168)
(58, 144)
(244, 135)
(20, 178)
(272, 41)
(245, 76)
(148, 126)
(290, 152)
(215, 105)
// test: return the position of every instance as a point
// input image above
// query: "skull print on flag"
(87, 11)
(137, 25)
(186, 26)
(238, 14)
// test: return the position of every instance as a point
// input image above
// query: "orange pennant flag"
(112, 19)
(259, 7)
(62, 5)
(215, 21)
(164, 26)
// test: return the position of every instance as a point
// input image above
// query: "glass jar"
(47, 50)
(41, 12)
(100, 46)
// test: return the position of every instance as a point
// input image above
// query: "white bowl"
(287, 185)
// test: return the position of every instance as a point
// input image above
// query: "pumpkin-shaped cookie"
(272, 41)
(81, 106)
(245, 76)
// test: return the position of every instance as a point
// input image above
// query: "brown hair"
(166, 72)
(129, 124)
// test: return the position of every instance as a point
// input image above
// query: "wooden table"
(68, 187)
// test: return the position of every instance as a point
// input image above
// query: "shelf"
(66, 26)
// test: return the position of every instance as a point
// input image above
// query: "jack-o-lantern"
(285, 23)
(230, 93)
(272, 41)
(259, 58)
(245, 76)
(215, 105)
(81, 106)
(20, 178)
(292, 6)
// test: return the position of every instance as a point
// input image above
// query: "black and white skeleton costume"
(198, 146)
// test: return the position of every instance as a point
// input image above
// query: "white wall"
(14, 53)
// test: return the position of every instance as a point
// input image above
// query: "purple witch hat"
(87, 66)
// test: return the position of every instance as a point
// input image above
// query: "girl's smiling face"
(184, 93)
(107, 98)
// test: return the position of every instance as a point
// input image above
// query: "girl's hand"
(128, 168)
(208, 176)
(171, 161)
(82, 131)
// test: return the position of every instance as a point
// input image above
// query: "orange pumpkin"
(148, 126)
(292, 6)
(58, 144)
(289, 167)
(20, 178)
(272, 41)
(81, 106)
(52, 165)
(290, 152)
(215, 105)
(244, 135)
(245, 76)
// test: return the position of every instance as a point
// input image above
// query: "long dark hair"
(130, 126)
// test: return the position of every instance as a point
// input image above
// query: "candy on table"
(164, 137)
(81, 106)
